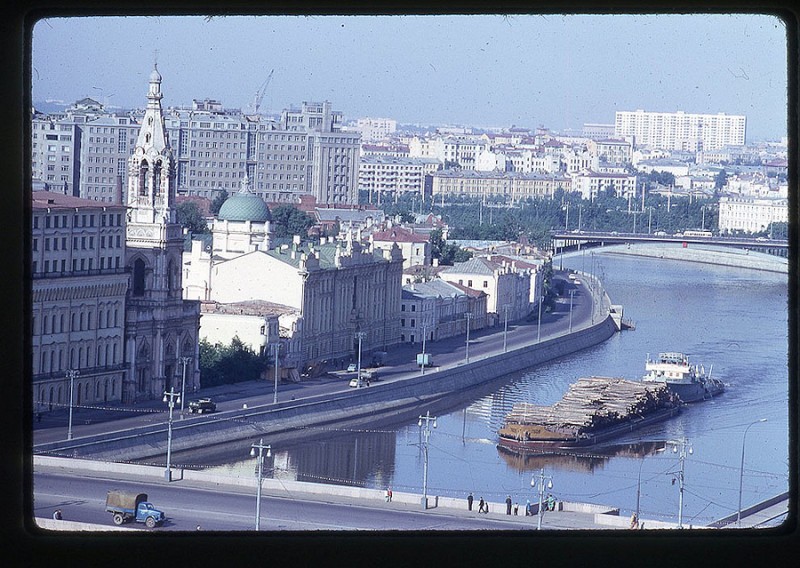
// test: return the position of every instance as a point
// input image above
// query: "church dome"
(244, 207)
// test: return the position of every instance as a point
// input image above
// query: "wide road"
(82, 499)
(400, 363)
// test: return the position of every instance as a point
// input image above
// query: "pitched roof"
(475, 265)
(398, 235)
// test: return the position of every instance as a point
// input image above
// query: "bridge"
(759, 515)
(570, 240)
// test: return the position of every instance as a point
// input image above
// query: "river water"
(732, 319)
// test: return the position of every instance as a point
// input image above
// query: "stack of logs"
(594, 402)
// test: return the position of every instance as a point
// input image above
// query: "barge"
(593, 410)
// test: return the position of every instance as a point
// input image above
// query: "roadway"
(614, 237)
(400, 363)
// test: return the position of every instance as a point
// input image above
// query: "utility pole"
(505, 326)
(71, 375)
(275, 347)
(549, 479)
(360, 336)
(741, 473)
(468, 316)
(260, 473)
(426, 432)
(684, 449)
(185, 361)
(169, 398)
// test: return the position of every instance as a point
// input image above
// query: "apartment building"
(590, 183)
(376, 129)
(393, 176)
(751, 214)
(680, 130)
(506, 184)
(438, 309)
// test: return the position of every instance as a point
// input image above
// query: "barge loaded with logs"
(593, 410)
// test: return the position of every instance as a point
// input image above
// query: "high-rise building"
(680, 130)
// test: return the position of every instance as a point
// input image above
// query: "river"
(733, 319)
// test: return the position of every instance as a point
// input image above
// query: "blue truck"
(129, 506)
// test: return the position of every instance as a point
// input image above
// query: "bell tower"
(161, 327)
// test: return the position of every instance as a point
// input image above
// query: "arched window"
(89, 320)
(170, 277)
(80, 356)
(143, 171)
(157, 178)
(60, 397)
(83, 320)
(60, 359)
(42, 361)
(50, 400)
(80, 392)
(114, 351)
(138, 280)
(72, 321)
(61, 323)
(100, 320)
(88, 354)
(97, 390)
(106, 360)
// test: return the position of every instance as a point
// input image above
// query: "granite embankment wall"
(287, 420)
(737, 258)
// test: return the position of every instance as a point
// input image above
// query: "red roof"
(45, 199)
(398, 235)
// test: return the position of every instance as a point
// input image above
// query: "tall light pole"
(426, 432)
(684, 449)
(260, 473)
(468, 316)
(71, 374)
(539, 322)
(360, 337)
(275, 348)
(741, 473)
(169, 398)
(505, 326)
(639, 483)
(571, 293)
(424, 331)
(549, 479)
(185, 361)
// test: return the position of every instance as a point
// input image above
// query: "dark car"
(202, 406)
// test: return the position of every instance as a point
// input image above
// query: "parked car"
(352, 368)
(202, 406)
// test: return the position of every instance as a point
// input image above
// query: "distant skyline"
(559, 71)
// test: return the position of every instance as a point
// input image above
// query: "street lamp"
(542, 477)
(275, 348)
(169, 398)
(466, 351)
(741, 473)
(360, 337)
(571, 294)
(426, 430)
(684, 448)
(185, 361)
(539, 323)
(71, 374)
(639, 483)
(505, 326)
(260, 472)
(424, 332)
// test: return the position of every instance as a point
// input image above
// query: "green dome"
(244, 207)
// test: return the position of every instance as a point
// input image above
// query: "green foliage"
(721, 179)
(448, 254)
(216, 204)
(189, 217)
(225, 364)
(289, 221)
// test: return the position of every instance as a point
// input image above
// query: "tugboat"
(593, 410)
(688, 382)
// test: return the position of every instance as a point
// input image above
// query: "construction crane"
(261, 92)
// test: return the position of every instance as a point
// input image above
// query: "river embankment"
(706, 254)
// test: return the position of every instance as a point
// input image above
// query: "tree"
(216, 204)
(288, 221)
(721, 179)
(189, 216)
(225, 364)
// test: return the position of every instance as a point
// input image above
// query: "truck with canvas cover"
(127, 506)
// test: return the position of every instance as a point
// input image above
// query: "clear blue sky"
(553, 70)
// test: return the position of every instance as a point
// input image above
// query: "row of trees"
(225, 364)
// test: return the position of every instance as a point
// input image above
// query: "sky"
(558, 71)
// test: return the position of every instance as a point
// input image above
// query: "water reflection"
(582, 461)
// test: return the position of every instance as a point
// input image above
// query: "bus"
(697, 233)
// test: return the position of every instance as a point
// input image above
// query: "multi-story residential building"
(438, 309)
(415, 248)
(590, 183)
(611, 151)
(597, 130)
(460, 150)
(680, 130)
(485, 184)
(254, 322)
(391, 176)
(506, 285)
(78, 291)
(376, 129)
(160, 327)
(84, 151)
(751, 214)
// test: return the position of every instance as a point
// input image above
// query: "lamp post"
(426, 431)
(360, 337)
(639, 483)
(505, 325)
(71, 374)
(275, 348)
(571, 294)
(549, 479)
(741, 473)
(539, 322)
(468, 316)
(260, 473)
(424, 331)
(684, 449)
(169, 398)
(185, 361)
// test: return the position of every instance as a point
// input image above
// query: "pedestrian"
(516, 508)
(634, 521)
(528, 508)
(481, 506)
(57, 515)
(508, 504)
(551, 502)
(389, 491)
(386, 494)
(469, 501)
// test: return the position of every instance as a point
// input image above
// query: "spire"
(152, 134)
